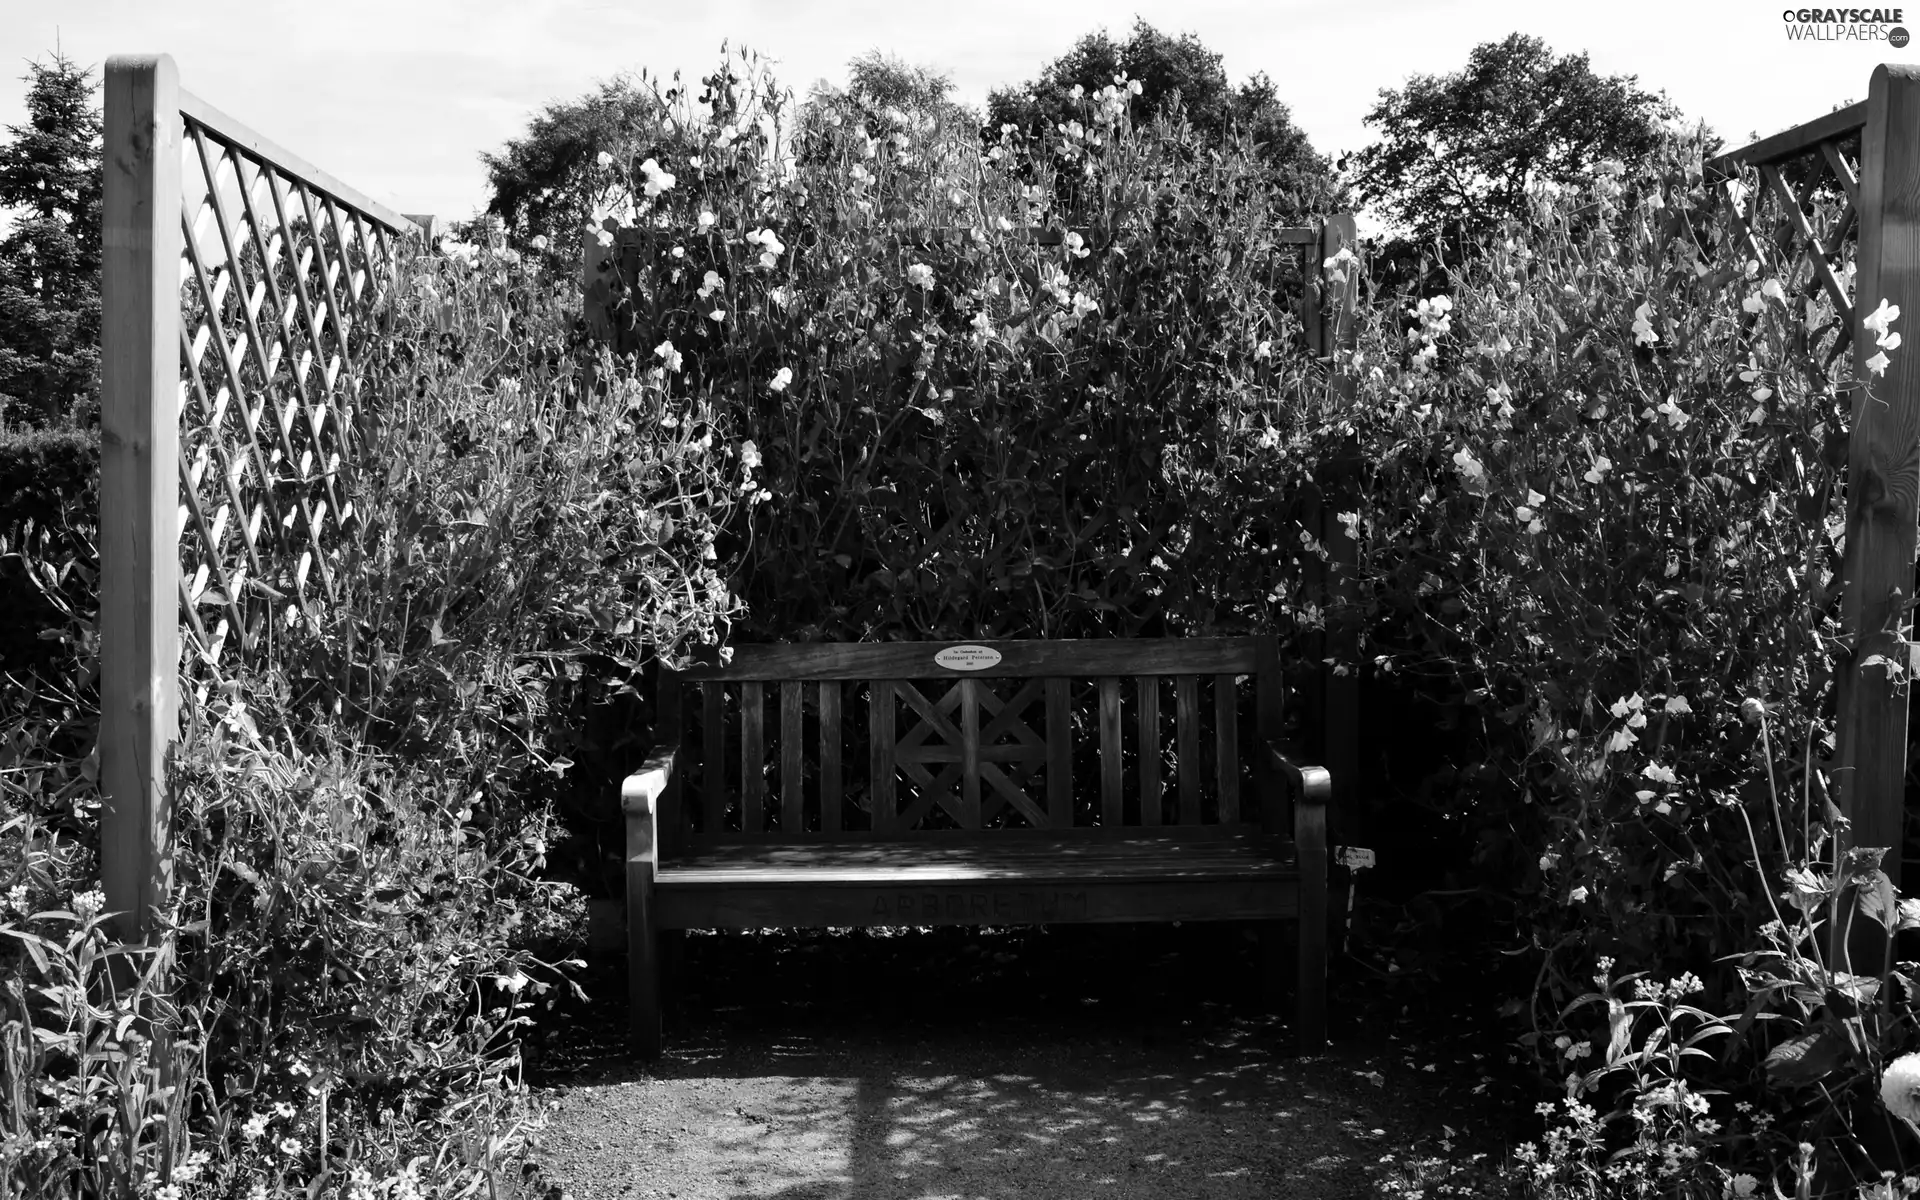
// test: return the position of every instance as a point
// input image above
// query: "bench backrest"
(969, 736)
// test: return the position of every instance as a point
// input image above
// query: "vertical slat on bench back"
(793, 812)
(1110, 768)
(829, 755)
(669, 733)
(713, 763)
(880, 782)
(1267, 725)
(1186, 702)
(1059, 754)
(1226, 732)
(1147, 702)
(969, 754)
(753, 754)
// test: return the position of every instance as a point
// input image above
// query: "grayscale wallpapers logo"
(1846, 25)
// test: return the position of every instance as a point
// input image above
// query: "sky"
(399, 98)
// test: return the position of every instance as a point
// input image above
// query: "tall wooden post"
(1883, 472)
(139, 480)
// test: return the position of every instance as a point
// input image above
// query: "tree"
(51, 180)
(1457, 152)
(1166, 67)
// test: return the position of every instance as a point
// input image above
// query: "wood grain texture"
(1146, 690)
(880, 737)
(670, 732)
(713, 762)
(1018, 659)
(1186, 709)
(1111, 769)
(140, 360)
(1792, 143)
(1883, 470)
(831, 800)
(1267, 716)
(1097, 900)
(753, 757)
(1226, 733)
(969, 814)
(793, 814)
(1059, 754)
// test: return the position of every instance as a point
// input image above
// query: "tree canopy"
(1166, 67)
(1457, 152)
(50, 180)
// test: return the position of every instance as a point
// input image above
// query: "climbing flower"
(657, 180)
(920, 275)
(718, 314)
(1879, 363)
(1263, 350)
(1900, 1087)
(1643, 334)
(706, 219)
(668, 356)
(1469, 465)
(1878, 320)
(1598, 472)
(709, 284)
(604, 159)
(781, 379)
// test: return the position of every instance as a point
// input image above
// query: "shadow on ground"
(1075, 1061)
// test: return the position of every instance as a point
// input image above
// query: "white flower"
(920, 275)
(657, 180)
(1900, 1087)
(780, 296)
(1674, 416)
(604, 159)
(750, 453)
(1881, 317)
(706, 219)
(539, 241)
(1659, 774)
(1643, 334)
(254, 1127)
(780, 380)
(511, 983)
(1263, 350)
(1879, 363)
(1469, 465)
(289, 1146)
(87, 905)
(1577, 895)
(1601, 465)
(1076, 245)
(668, 356)
(1678, 704)
(1740, 1187)
(606, 238)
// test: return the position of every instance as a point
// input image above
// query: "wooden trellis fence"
(1878, 232)
(239, 286)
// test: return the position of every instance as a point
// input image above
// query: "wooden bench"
(752, 813)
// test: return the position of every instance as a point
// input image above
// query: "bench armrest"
(640, 799)
(1311, 785)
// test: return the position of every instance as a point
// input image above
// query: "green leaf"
(1806, 1059)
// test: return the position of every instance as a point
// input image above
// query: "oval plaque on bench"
(967, 658)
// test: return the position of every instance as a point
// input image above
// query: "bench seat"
(1001, 877)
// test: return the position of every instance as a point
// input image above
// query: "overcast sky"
(399, 97)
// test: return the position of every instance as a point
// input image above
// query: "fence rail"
(239, 285)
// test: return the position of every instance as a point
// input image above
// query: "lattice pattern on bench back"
(283, 281)
(824, 751)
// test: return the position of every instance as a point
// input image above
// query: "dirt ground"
(1063, 1062)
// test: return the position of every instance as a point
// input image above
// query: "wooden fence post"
(1883, 470)
(139, 481)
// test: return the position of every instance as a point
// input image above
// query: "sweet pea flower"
(781, 379)
(920, 275)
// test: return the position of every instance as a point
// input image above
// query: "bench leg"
(643, 961)
(1310, 1009)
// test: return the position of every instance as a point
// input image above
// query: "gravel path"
(966, 1064)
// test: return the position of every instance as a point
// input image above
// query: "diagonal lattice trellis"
(282, 284)
(1004, 738)
(1799, 220)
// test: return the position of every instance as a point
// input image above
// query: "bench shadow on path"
(1118, 1062)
